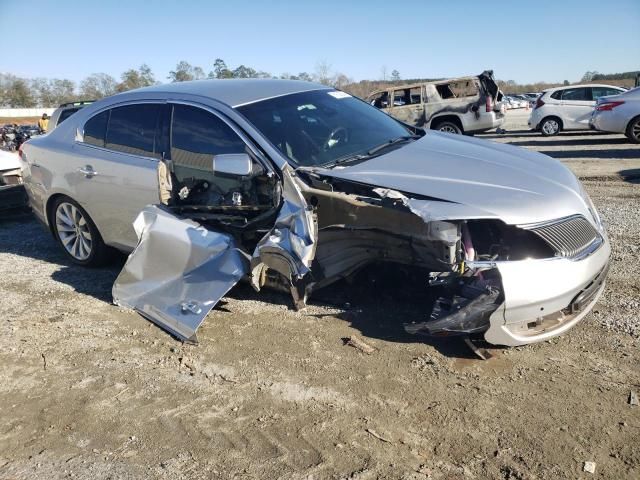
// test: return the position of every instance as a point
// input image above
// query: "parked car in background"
(520, 101)
(64, 111)
(303, 185)
(619, 114)
(12, 193)
(567, 108)
(460, 105)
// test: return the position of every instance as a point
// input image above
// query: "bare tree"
(62, 90)
(97, 85)
(383, 73)
(323, 72)
(198, 73)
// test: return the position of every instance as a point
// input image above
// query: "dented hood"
(491, 179)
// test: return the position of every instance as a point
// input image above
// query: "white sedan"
(619, 114)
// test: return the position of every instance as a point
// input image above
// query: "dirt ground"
(88, 390)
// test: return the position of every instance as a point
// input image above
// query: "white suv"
(567, 108)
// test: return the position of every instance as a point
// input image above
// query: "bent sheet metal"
(178, 271)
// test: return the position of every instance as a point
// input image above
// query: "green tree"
(182, 73)
(220, 70)
(18, 94)
(395, 75)
(132, 78)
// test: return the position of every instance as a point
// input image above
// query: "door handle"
(88, 171)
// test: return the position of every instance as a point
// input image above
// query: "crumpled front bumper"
(545, 298)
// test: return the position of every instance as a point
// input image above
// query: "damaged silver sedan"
(297, 185)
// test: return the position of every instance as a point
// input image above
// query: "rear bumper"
(487, 121)
(607, 122)
(545, 298)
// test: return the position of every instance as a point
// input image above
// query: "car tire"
(550, 126)
(448, 127)
(633, 130)
(76, 233)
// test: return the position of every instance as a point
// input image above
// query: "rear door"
(576, 106)
(407, 105)
(118, 176)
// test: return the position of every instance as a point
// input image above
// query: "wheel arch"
(633, 120)
(436, 121)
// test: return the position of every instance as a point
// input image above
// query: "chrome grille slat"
(569, 236)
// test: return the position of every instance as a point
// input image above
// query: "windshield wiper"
(371, 152)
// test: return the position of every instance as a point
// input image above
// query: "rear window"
(133, 129)
(66, 114)
(460, 89)
(95, 129)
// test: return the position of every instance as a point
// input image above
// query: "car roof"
(234, 92)
(404, 86)
(564, 87)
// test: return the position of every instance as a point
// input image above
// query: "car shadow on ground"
(631, 175)
(571, 142)
(378, 306)
(618, 153)
(534, 134)
(21, 234)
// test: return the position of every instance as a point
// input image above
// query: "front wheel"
(77, 234)
(449, 127)
(550, 127)
(633, 130)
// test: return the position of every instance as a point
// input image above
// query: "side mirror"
(237, 164)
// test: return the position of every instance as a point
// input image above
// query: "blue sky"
(523, 41)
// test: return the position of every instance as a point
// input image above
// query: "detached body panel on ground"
(297, 186)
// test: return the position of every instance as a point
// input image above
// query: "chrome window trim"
(80, 130)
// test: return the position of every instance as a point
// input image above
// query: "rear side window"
(66, 114)
(95, 129)
(133, 129)
(557, 95)
(598, 92)
(459, 89)
(407, 96)
(576, 94)
(197, 135)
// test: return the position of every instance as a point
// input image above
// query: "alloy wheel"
(550, 127)
(635, 130)
(73, 231)
(448, 129)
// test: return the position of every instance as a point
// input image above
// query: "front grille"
(569, 237)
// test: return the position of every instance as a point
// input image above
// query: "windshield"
(322, 127)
